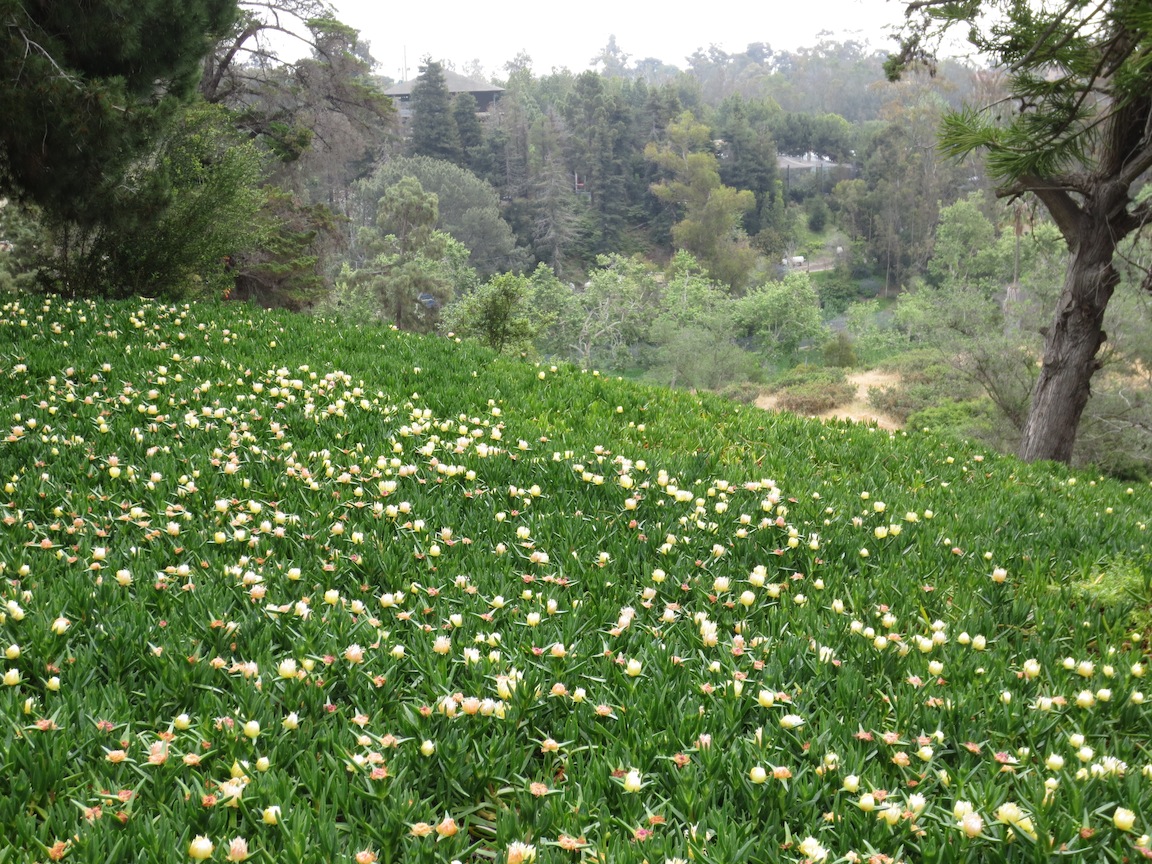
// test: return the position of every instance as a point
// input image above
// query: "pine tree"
(86, 87)
(1074, 133)
(434, 131)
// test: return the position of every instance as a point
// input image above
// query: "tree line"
(203, 161)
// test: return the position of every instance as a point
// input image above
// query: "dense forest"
(758, 219)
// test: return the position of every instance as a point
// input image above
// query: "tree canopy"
(1075, 132)
(85, 88)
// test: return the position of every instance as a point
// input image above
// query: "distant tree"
(471, 133)
(612, 312)
(748, 155)
(496, 314)
(613, 61)
(710, 225)
(413, 269)
(467, 207)
(287, 267)
(780, 316)
(964, 249)
(434, 132)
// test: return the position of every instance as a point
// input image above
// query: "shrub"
(813, 391)
(744, 392)
(840, 351)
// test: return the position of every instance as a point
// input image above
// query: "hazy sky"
(570, 34)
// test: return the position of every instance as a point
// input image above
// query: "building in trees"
(484, 93)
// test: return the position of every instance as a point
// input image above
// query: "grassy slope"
(136, 656)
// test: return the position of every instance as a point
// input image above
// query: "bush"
(808, 374)
(745, 392)
(840, 352)
(813, 391)
(926, 381)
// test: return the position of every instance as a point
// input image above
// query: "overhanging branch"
(1065, 212)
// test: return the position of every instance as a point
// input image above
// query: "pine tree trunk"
(1071, 345)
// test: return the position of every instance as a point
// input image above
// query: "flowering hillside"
(282, 590)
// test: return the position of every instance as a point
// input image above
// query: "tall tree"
(415, 269)
(467, 207)
(1079, 137)
(86, 88)
(464, 109)
(711, 213)
(434, 131)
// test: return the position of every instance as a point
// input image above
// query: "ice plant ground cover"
(278, 590)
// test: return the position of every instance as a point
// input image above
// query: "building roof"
(797, 164)
(454, 81)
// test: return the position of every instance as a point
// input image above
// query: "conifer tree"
(434, 131)
(86, 87)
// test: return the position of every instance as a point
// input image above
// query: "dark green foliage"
(287, 267)
(840, 351)
(471, 133)
(434, 131)
(22, 246)
(837, 290)
(86, 87)
(411, 270)
(496, 314)
(817, 214)
(173, 223)
(467, 207)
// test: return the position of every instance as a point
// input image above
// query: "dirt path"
(858, 409)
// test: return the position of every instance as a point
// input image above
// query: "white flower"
(633, 781)
(1124, 819)
(791, 721)
(811, 849)
(201, 848)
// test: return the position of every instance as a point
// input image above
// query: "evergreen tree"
(434, 131)
(471, 133)
(711, 212)
(85, 88)
(1076, 135)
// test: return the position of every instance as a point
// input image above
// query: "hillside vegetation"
(285, 589)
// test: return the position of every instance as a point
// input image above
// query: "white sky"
(559, 35)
